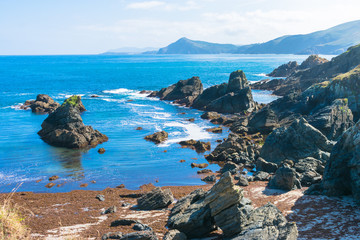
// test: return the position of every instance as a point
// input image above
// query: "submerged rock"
(158, 137)
(155, 199)
(65, 128)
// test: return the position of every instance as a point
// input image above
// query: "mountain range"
(333, 41)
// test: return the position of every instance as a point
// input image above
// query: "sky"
(39, 27)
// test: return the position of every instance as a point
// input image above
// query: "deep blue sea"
(129, 159)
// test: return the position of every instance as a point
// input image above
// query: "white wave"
(130, 93)
(155, 115)
(16, 106)
(260, 75)
(113, 100)
(118, 91)
(138, 105)
(191, 130)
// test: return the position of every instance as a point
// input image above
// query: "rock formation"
(224, 206)
(43, 104)
(158, 137)
(155, 199)
(65, 128)
(284, 70)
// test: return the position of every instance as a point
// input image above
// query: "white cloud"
(145, 5)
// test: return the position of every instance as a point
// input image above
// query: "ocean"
(25, 159)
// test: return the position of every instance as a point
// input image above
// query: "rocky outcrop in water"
(298, 141)
(64, 127)
(225, 207)
(43, 104)
(158, 137)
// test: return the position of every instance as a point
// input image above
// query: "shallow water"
(129, 159)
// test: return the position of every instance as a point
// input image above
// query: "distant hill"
(131, 50)
(334, 41)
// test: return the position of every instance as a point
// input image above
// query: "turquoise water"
(129, 159)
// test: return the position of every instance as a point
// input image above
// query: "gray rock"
(261, 176)
(264, 121)
(174, 235)
(285, 178)
(309, 178)
(230, 167)
(309, 164)
(210, 115)
(112, 235)
(141, 227)
(155, 199)
(284, 70)
(210, 94)
(210, 179)
(237, 81)
(142, 235)
(158, 137)
(299, 141)
(243, 182)
(262, 165)
(341, 176)
(100, 197)
(44, 104)
(65, 128)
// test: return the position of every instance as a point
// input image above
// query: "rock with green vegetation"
(65, 128)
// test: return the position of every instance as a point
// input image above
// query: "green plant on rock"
(73, 100)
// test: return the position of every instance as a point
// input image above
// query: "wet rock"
(122, 222)
(220, 120)
(158, 137)
(141, 227)
(139, 128)
(100, 197)
(94, 96)
(101, 150)
(44, 104)
(262, 165)
(204, 171)
(191, 119)
(299, 141)
(182, 161)
(196, 145)
(261, 176)
(65, 128)
(84, 185)
(199, 165)
(285, 178)
(215, 130)
(210, 179)
(341, 176)
(174, 235)
(53, 178)
(284, 70)
(155, 199)
(111, 209)
(210, 115)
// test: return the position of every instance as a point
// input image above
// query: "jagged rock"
(184, 91)
(243, 182)
(285, 179)
(274, 85)
(267, 222)
(261, 176)
(284, 70)
(65, 128)
(100, 197)
(196, 145)
(210, 115)
(174, 235)
(300, 140)
(191, 216)
(43, 104)
(309, 164)
(122, 222)
(237, 81)
(155, 199)
(312, 61)
(76, 102)
(262, 165)
(230, 167)
(332, 120)
(220, 120)
(158, 137)
(265, 121)
(210, 94)
(341, 176)
(309, 178)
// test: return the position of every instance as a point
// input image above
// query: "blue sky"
(94, 26)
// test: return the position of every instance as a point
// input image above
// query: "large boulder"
(44, 104)
(184, 91)
(342, 171)
(265, 121)
(298, 141)
(64, 127)
(155, 199)
(237, 81)
(210, 94)
(285, 178)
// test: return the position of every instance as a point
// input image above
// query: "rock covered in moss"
(65, 128)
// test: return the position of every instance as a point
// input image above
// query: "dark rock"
(312, 61)
(101, 150)
(309, 164)
(269, 85)
(157, 137)
(139, 128)
(111, 209)
(53, 178)
(210, 178)
(215, 130)
(220, 120)
(174, 235)
(261, 176)
(143, 235)
(155, 199)
(237, 81)
(210, 94)
(101, 198)
(50, 185)
(196, 145)
(262, 165)
(341, 176)
(210, 115)
(141, 227)
(122, 222)
(191, 119)
(299, 141)
(94, 96)
(199, 165)
(44, 104)
(243, 182)
(121, 186)
(284, 70)
(65, 128)
(112, 235)
(285, 179)
(230, 167)
(309, 178)
(153, 94)
(265, 121)
(204, 171)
